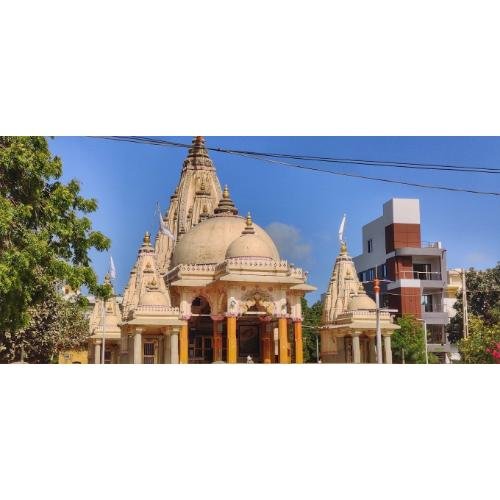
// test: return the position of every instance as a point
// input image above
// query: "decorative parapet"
(237, 264)
(167, 310)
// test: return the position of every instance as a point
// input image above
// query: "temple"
(349, 317)
(212, 287)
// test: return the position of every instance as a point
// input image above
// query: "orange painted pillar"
(299, 349)
(183, 345)
(217, 338)
(232, 349)
(283, 340)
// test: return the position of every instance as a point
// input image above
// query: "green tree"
(312, 320)
(45, 236)
(55, 325)
(483, 296)
(409, 342)
(482, 343)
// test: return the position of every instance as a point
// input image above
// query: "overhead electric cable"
(262, 157)
(383, 163)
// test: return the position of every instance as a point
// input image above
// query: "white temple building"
(216, 292)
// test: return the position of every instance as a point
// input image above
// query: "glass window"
(370, 245)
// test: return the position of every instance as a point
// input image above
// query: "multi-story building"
(413, 271)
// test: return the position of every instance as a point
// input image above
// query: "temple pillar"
(299, 350)
(97, 352)
(138, 347)
(387, 349)
(283, 340)
(217, 337)
(166, 347)
(232, 348)
(372, 352)
(184, 345)
(174, 346)
(356, 351)
(267, 340)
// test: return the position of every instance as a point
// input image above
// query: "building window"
(422, 272)
(427, 303)
(149, 350)
(370, 245)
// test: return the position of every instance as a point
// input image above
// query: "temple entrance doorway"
(200, 332)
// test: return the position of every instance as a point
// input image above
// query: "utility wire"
(261, 157)
(392, 164)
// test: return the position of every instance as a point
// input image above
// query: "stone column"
(299, 350)
(166, 347)
(138, 347)
(232, 348)
(174, 345)
(184, 345)
(97, 352)
(372, 353)
(356, 351)
(283, 340)
(217, 338)
(387, 349)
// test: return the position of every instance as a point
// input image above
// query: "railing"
(430, 244)
(419, 275)
(432, 308)
(436, 337)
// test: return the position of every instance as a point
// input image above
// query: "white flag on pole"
(341, 229)
(163, 227)
(112, 269)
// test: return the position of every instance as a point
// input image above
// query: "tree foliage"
(409, 342)
(45, 236)
(55, 325)
(312, 320)
(483, 297)
(483, 343)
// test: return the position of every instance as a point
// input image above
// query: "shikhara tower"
(195, 198)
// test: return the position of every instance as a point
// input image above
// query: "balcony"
(428, 279)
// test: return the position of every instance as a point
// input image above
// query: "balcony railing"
(430, 244)
(419, 275)
(431, 308)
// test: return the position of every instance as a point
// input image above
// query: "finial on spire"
(107, 279)
(147, 238)
(248, 225)
(199, 140)
(343, 248)
(226, 205)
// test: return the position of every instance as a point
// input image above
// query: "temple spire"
(226, 205)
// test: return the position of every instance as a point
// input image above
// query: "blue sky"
(303, 207)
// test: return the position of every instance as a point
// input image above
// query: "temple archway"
(200, 330)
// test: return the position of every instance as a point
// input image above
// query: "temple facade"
(348, 331)
(214, 290)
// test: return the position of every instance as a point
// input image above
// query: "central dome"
(208, 242)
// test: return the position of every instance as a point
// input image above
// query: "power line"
(263, 157)
(384, 163)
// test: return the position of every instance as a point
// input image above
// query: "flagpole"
(103, 347)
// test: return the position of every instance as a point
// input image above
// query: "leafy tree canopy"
(483, 297)
(45, 236)
(55, 325)
(312, 320)
(408, 342)
(483, 343)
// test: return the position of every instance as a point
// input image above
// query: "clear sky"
(302, 209)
